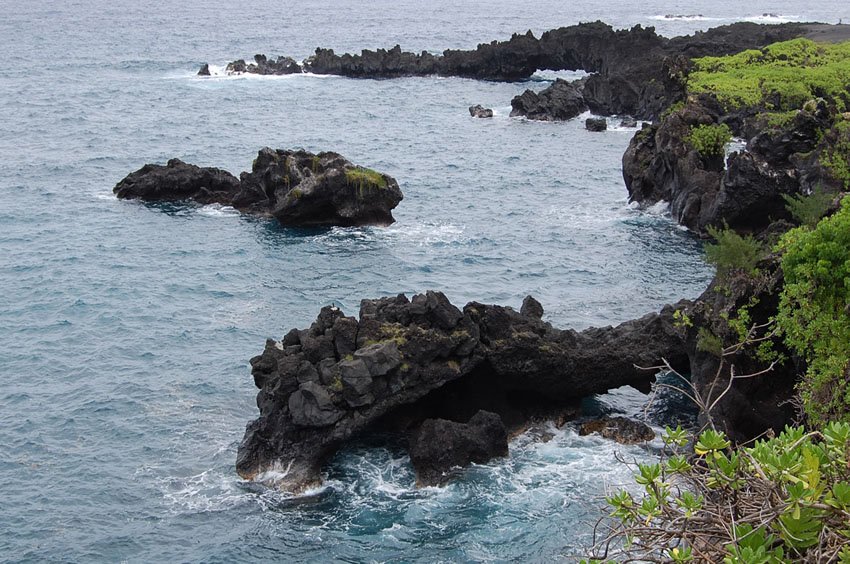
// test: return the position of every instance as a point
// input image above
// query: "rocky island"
(298, 188)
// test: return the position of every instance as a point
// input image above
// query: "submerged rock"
(621, 429)
(298, 188)
(480, 111)
(439, 445)
(406, 361)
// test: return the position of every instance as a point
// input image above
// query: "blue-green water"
(125, 329)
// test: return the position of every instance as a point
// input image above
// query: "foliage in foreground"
(781, 77)
(785, 499)
(814, 312)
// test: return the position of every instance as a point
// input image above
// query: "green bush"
(733, 253)
(785, 499)
(808, 209)
(814, 312)
(837, 157)
(796, 71)
(709, 140)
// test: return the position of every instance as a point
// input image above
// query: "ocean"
(126, 328)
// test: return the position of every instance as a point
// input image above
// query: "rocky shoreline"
(635, 72)
(466, 379)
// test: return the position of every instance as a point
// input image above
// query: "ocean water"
(126, 328)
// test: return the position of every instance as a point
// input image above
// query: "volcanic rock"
(596, 124)
(621, 429)
(178, 181)
(637, 72)
(409, 351)
(480, 111)
(561, 101)
(438, 446)
(298, 188)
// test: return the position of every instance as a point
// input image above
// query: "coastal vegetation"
(784, 498)
(814, 313)
(780, 77)
(709, 139)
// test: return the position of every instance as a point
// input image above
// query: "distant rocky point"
(636, 71)
(298, 188)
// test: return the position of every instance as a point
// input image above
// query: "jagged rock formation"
(561, 101)
(264, 65)
(298, 188)
(405, 361)
(637, 72)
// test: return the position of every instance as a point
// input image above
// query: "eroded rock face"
(321, 386)
(298, 188)
(621, 429)
(439, 445)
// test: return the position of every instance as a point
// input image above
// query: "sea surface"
(126, 328)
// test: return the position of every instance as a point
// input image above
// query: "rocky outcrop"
(298, 188)
(409, 360)
(621, 429)
(661, 165)
(480, 111)
(637, 72)
(561, 101)
(746, 191)
(439, 445)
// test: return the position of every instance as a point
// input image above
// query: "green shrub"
(814, 312)
(709, 140)
(733, 253)
(808, 209)
(837, 157)
(785, 499)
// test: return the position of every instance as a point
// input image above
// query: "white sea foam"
(220, 72)
(568, 75)
(218, 210)
(771, 18)
(683, 18)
